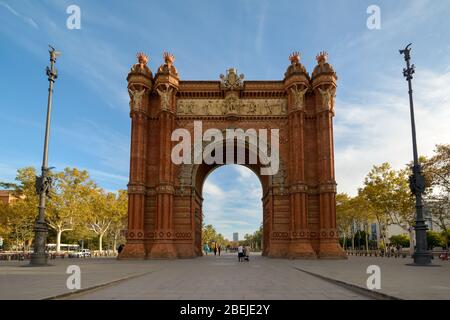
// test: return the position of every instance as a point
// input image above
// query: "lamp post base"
(38, 260)
(39, 256)
(422, 258)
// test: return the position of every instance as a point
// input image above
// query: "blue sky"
(91, 126)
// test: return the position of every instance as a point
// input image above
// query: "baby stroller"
(246, 255)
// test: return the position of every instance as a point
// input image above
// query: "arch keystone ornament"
(165, 198)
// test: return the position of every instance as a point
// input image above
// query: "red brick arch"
(165, 199)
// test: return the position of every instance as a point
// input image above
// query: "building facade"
(8, 196)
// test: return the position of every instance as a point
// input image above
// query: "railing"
(378, 253)
(10, 256)
(20, 256)
(442, 254)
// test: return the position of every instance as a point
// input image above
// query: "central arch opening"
(232, 206)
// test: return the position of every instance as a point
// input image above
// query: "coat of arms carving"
(232, 81)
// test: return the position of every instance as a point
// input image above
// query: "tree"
(102, 208)
(344, 217)
(434, 239)
(106, 210)
(351, 214)
(69, 203)
(389, 198)
(437, 174)
(209, 234)
(254, 240)
(17, 219)
(400, 240)
(119, 219)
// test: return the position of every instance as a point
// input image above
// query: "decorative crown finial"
(322, 57)
(168, 57)
(142, 58)
(294, 57)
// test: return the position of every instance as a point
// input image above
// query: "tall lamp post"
(416, 181)
(43, 182)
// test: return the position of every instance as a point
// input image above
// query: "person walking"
(240, 253)
(215, 248)
(206, 248)
(218, 249)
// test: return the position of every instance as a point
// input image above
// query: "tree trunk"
(411, 242)
(367, 242)
(100, 242)
(344, 243)
(383, 236)
(115, 242)
(58, 240)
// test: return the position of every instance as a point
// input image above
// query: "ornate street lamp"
(416, 181)
(43, 182)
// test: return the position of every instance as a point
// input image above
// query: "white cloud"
(25, 19)
(244, 172)
(232, 200)
(377, 129)
(210, 189)
(261, 25)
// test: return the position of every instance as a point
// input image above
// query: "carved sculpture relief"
(328, 96)
(232, 81)
(299, 97)
(232, 105)
(141, 67)
(165, 97)
(136, 99)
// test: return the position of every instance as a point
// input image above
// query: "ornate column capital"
(166, 95)
(138, 95)
(297, 93)
(327, 94)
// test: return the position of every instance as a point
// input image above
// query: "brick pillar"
(328, 234)
(300, 246)
(297, 83)
(166, 86)
(139, 86)
(163, 246)
(324, 85)
(136, 185)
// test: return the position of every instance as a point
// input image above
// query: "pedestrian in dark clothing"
(218, 249)
(215, 249)
(240, 253)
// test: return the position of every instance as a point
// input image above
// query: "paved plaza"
(224, 277)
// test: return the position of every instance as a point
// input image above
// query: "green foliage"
(435, 239)
(446, 237)
(437, 175)
(389, 198)
(211, 237)
(253, 240)
(77, 210)
(400, 240)
(17, 219)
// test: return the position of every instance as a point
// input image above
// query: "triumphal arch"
(165, 195)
